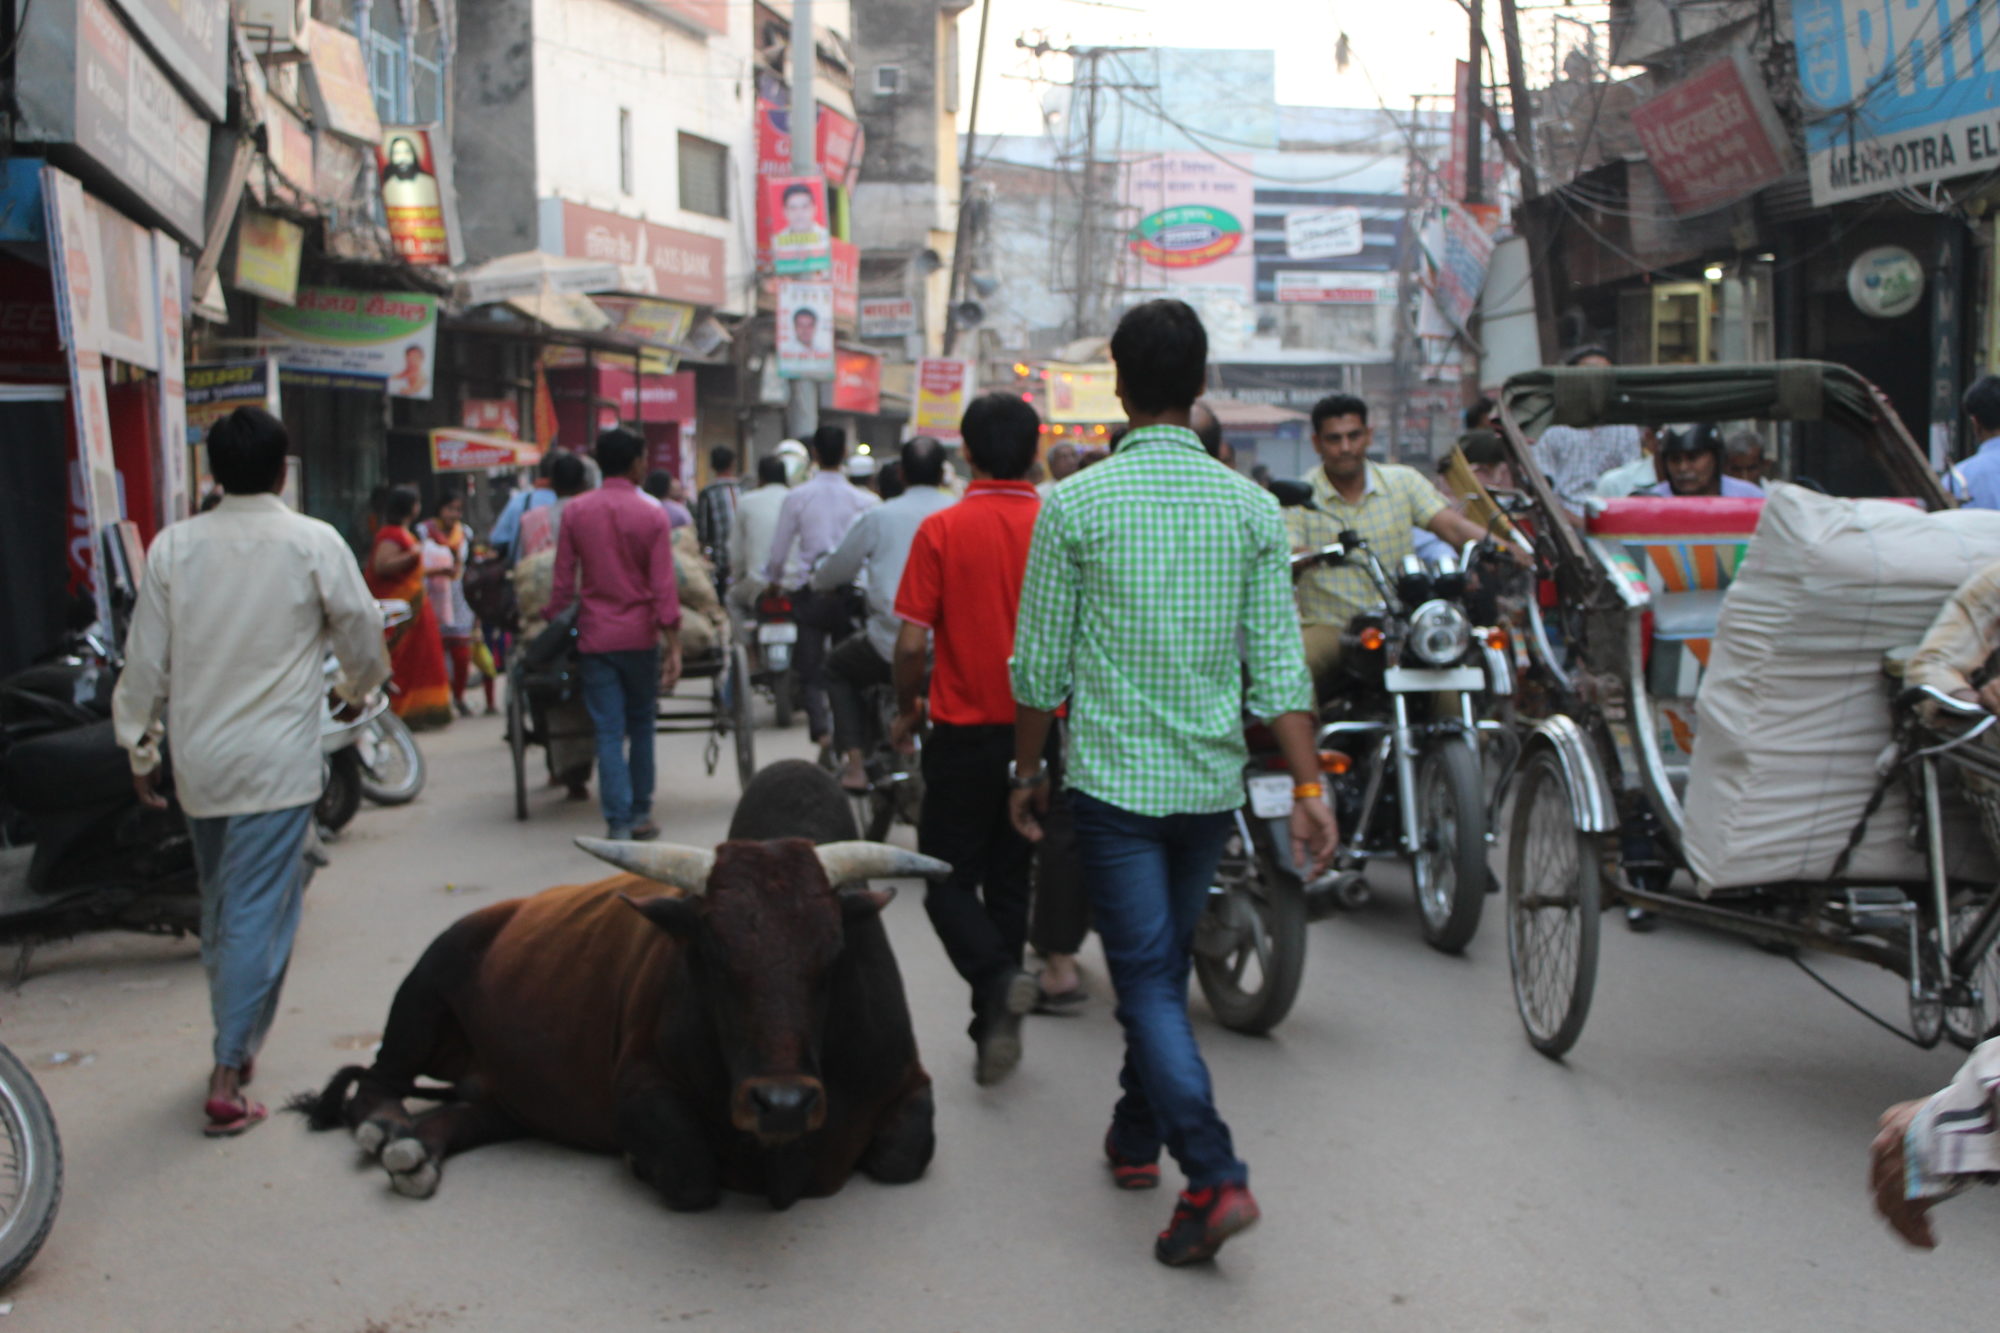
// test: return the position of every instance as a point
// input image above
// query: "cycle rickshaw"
(1613, 639)
(545, 693)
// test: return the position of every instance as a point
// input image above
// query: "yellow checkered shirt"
(1397, 500)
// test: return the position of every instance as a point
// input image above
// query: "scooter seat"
(66, 770)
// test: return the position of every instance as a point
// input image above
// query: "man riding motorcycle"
(1383, 502)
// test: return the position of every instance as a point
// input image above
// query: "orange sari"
(416, 650)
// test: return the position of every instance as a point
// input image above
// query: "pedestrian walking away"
(815, 516)
(960, 589)
(1154, 580)
(752, 530)
(236, 613)
(715, 511)
(615, 554)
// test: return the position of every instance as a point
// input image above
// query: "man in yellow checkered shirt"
(1384, 502)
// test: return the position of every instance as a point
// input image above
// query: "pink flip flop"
(227, 1119)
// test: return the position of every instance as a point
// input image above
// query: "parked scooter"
(371, 754)
(31, 1167)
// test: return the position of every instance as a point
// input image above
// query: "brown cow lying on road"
(749, 1032)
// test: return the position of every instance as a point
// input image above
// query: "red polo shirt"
(963, 583)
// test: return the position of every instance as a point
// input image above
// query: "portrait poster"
(794, 208)
(805, 330)
(416, 194)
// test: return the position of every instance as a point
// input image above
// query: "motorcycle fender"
(1280, 833)
(1592, 806)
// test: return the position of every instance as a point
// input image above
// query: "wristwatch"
(1019, 783)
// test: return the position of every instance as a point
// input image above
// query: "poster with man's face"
(805, 330)
(412, 196)
(801, 242)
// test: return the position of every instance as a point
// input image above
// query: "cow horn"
(685, 868)
(848, 861)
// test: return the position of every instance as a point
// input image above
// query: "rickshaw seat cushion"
(1651, 518)
(1792, 712)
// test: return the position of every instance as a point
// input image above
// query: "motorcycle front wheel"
(1250, 944)
(1450, 867)
(392, 767)
(342, 798)
(31, 1167)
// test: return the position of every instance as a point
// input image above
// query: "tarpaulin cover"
(1794, 711)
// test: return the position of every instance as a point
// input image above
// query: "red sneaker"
(1203, 1219)
(1128, 1174)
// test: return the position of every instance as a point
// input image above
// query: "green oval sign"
(1186, 236)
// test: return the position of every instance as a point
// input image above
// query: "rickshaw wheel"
(1554, 902)
(517, 742)
(1450, 868)
(1968, 1025)
(739, 700)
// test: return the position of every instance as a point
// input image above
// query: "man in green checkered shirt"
(1154, 580)
(1384, 502)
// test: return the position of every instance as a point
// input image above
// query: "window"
(704, 177)
(888, 80)
(624, 150)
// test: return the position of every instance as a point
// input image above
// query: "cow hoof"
(418, 1184)
(370, 1135)
(404, 1155)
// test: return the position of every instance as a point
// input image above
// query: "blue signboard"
(1897, 93)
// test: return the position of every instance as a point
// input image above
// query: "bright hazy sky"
(1404, 46)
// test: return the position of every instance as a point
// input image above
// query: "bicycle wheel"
(738, 697)
(31, 1167)
(1450, 868)
(1554, 901)
(1967, 1026)
(392, 766)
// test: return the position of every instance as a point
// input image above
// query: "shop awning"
(533, 273)
(1235, 414)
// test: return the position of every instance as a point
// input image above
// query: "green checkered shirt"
(1397, 500)
(1154, 578)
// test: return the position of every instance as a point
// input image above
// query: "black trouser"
(980, 912)
(820, 616)
(852, 669)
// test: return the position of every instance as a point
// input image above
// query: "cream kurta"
(237, 609)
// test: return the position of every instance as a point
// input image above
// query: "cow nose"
(784, 1101)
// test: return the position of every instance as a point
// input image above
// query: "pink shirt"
(627, 549)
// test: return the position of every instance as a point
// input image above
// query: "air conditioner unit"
(275, 29)
(888, 80)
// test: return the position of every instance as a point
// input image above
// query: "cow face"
(764, 937)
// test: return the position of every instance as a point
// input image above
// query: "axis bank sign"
(659, 261)
(1897, 94)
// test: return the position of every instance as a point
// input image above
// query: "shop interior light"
(1021, 368)
(1027, 398)
(1713, 273)
(1098, 429)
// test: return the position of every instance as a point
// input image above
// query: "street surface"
(1698, 1164)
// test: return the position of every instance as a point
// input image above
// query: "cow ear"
(861, 901)
(676, 916)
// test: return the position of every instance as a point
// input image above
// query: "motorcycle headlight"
(1439, 634)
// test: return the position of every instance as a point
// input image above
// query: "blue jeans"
(1149, 879)
(253, 875)
(620, 691)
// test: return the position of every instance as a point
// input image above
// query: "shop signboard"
(1896, 95)
(268, 249)
(805, 330)
(1460, 262)
(130, 331)
(339, 338)
(1082, 393)
(80, 299)
(792, 217)
(342, 100)
(857, 383)
(217, 388)
(1322, 233)
(1713, 137)
(944, 387)
(415, 175)
(664, 261)
(192, 39)
(1335, 288)
(494, 416)
(91, 84)
(170, 384)
(846, 283)
(661, 325)
(1195, 212)
(459, 449)
(887, 317)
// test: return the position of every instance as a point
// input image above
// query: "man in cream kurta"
(236, 611)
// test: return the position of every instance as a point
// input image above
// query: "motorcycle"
(371, 754)
(775, 636)
(31, 1167)
(1400, 743)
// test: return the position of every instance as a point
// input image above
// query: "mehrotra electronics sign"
(1712, 138)
(1897, 94)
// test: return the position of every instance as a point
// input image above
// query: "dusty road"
(1696, 1165)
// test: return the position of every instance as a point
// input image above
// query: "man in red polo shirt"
(960, 589)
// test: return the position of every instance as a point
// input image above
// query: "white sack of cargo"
(1792, 712)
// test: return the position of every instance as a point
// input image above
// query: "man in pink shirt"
(630, 605)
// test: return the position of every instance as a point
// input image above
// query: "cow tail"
(322, 1110)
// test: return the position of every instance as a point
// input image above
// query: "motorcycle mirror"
(1293, 494)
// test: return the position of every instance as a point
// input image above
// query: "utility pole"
(1517, 94)
(961, 248)
(802, 416)
(1475, 169)
(1086, 235)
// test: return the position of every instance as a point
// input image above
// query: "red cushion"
(1675, 516)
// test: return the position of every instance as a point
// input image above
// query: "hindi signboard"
(217, 388)
(1712, 138)
(1301, 286)
(343, 339)
(1322, 233)
(944, 387)
(458, 449)
(857, 383)
(887, 317)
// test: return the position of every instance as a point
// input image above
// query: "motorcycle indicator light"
(1372, 639)
(1334, 762)
(1496, 639)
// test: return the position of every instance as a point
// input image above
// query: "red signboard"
(30, 347)
(455, 450)
(682, 265)
(846, 282)
(497, 416)
(857, 382)
(1712, 138)
(838, 147)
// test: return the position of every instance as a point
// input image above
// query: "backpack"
(489, 591)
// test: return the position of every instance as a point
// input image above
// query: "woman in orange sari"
(416, 650)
